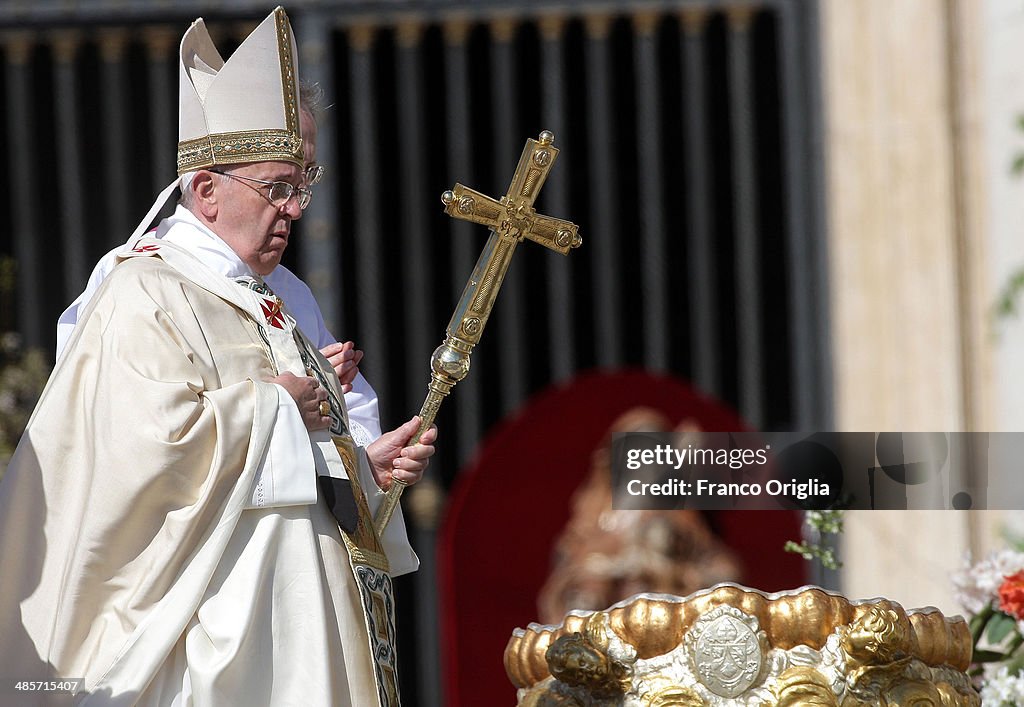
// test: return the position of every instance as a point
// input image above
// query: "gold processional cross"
(511, 219)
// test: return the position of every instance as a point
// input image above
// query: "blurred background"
(796, 215)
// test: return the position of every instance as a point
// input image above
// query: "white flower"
(1002, 689)
(975, 587)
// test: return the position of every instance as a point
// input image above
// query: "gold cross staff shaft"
(511, 220)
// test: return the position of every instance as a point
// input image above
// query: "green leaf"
(999, 628)
(1016, 665)
(978, 622)
(824, 555)
(1017, 166)
(1006, 301)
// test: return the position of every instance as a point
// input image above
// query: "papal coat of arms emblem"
(727, 651)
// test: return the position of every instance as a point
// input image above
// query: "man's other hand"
(344, 358)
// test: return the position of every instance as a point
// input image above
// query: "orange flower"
(1011, 595)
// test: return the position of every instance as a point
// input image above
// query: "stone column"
(897, 85)
(1003, 81)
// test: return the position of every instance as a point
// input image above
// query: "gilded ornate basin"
(730, 645)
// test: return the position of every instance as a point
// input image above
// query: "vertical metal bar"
(112, 44)
(703, 295)
(319, 254)
(744, 182)
(604, 212)
(27, 238)
(419, 337)
(366, 221)
(799, 270)
(556, 196)
(823, 414)
(509, 314)
(426, 495)
(162, 99)
(464, 243)
(72, 207)
(651, 197)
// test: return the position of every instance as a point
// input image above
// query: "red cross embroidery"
(145, 248)
(272, 311)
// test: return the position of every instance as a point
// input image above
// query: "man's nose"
(291, 207)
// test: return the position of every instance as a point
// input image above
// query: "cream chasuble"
(185, 229)
(134, 548)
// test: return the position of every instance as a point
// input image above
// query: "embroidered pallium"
(376, 592)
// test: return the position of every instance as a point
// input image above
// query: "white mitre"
(242, 110)
(245, 109)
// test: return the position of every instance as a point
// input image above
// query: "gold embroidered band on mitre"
(239, 147)
(284, 50)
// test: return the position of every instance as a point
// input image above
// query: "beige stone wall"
(905, 194)
(891, 214)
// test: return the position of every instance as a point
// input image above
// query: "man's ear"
(204, 194)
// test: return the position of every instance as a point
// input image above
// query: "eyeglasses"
(279, 193)
(313, 174)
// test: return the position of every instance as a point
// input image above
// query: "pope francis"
(187, 519)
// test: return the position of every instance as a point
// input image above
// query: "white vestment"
(361, 401)
(135, 550)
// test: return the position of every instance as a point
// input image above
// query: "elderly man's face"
(254, 228)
